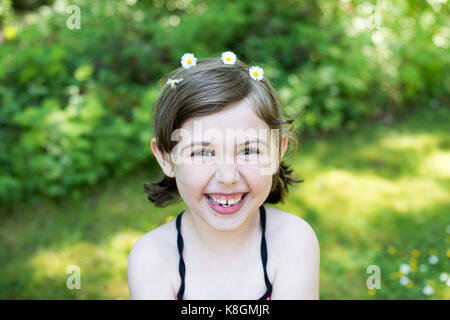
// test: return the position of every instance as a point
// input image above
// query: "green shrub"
(75, 104)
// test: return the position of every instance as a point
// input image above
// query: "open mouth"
(226, 207)
(227, 204)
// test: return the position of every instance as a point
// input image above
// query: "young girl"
(227, 244)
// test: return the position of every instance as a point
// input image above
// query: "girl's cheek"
(260, 168)
(192, 173)
(191, 182)
(195, 177)
(255, 179)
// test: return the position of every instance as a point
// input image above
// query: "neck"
(227, 242)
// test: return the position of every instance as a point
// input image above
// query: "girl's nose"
(227, 173)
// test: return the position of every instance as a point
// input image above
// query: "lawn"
(378, 195)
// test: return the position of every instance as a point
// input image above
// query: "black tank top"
(182, 267)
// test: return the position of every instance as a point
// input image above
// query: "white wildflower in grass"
(404, 281)
(448, 282)
(228, 57)
(443, 276)
(433, 259)
(428, 290)
(405, 268)
(188, 60)
(256, 73)
(423, 268)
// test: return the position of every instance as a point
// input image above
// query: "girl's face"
(225, 165)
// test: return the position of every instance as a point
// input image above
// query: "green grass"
(372, 196)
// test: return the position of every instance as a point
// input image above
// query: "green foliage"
(75, 104)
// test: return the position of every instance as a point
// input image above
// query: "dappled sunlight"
(393, 156)
(124, 241)
(119, 247)
(418, 194)
(417, 142)
(339, 256)
(343, 195)
(303, 165)
(53, 263)
(117, 287)
(103, 266)
(436, 165)
(341, 272)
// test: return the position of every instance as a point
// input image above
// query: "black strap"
(262, 213)
(182, 267)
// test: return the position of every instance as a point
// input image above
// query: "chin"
(225, 222)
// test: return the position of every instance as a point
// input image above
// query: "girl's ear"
(163, 159)
(284, 144)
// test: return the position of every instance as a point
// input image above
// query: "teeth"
(226, 203)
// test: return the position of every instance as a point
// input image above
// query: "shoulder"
(152, 262)
(290, 230)
(297, 251)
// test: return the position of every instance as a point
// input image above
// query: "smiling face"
(225, 165)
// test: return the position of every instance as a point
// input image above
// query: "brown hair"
(207, 88)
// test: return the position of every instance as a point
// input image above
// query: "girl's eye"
(207, 152)
(199, 152)
(252, 150)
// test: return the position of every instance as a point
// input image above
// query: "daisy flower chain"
(188, 60)
(256, 73)
(173, 82)
(228, 57)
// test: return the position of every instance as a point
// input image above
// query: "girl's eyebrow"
(207, 143)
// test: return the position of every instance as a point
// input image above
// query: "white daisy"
(423, 268)
(433, 259)
(256, 73)
(188, 60)
(428, 290)
(228, 57)
(173, 82)
(405, 268)
(443, 276)
(404, 281)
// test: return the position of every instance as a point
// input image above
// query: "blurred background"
(367, 83)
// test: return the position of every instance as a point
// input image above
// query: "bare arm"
(297, 275)
(147, 273)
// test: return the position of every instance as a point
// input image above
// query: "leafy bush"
(75, 104)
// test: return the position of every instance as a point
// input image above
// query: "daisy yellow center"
(255, 73)
(228, 58)
(189, 61)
